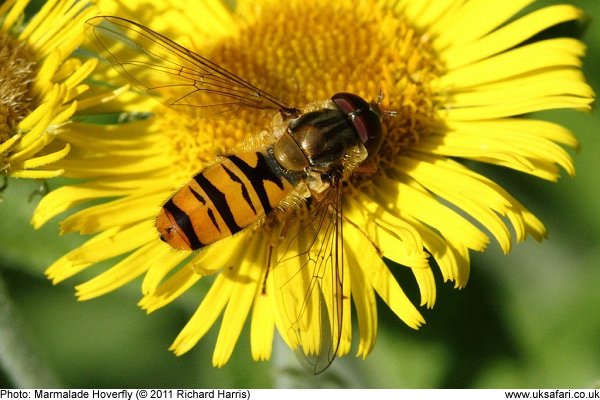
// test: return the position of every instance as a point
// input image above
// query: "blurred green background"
(529, 319)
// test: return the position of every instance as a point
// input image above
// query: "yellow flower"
(41, 85)
(458, 84)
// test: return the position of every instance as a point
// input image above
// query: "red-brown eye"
(365, 119)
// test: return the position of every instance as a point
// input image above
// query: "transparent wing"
(172, 73)
(309, 280)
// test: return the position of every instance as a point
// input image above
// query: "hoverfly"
(311, 153)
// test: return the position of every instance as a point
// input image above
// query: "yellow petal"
(125, 271)
(551, 53)
(158, 272)
(37, 173)
(171, 289)
(47, 159)
(364, 301)
(384, 283)
(262, 329)
(116, 213)
(471, 195)
(509, 36)
(414, 201)
(15, 13)
(247, 284)
(205, 316)
(468, 24)
(538, 85)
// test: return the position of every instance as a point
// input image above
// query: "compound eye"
(368, 126)
(349, 103)
(366, 120)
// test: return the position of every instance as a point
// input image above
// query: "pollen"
(409, 66)
(17, 71)
(303, 54)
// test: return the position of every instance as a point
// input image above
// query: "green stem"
(290, 371)
(18, 360)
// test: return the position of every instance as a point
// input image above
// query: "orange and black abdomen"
(222, 200)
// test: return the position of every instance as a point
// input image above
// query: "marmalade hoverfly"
(312, 151)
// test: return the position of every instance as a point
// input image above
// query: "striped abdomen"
(222, 200)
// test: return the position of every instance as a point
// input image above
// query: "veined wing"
(310, 285)
(174, 74)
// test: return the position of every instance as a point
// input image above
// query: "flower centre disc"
(304, 53)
